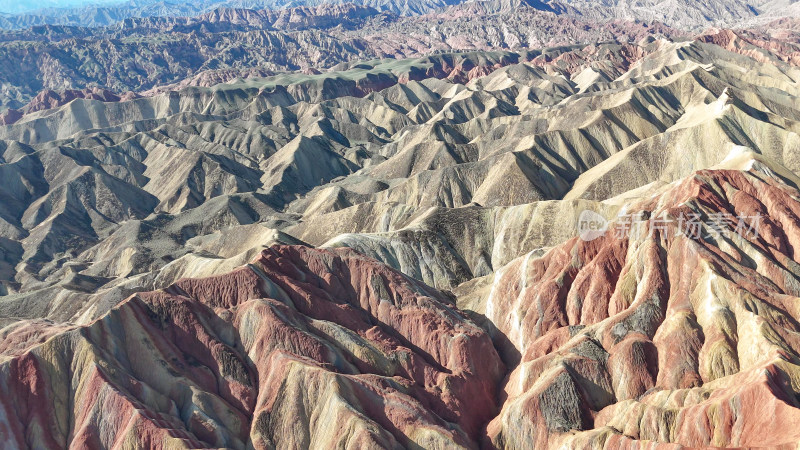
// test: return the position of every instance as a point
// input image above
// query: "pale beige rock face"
(527, 133)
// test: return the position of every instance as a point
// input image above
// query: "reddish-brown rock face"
(301, 348)
(757, 44)
(48, 99)
(687, 338)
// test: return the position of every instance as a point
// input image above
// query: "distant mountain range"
(687, 14)
(46, 65)
(146, 53)
(103, 15)
(26, 6)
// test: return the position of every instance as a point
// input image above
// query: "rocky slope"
(660, 336)
(663, 335)
(301, 348)
(453, 298)
(104, 191)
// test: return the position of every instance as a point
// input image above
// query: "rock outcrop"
(301, 348)
(668, 332)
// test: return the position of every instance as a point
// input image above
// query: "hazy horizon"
(24, 6)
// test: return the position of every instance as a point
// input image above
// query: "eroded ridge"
(302, 348)
(663, 335)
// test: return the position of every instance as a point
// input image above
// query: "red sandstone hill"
(668, 336)
(300, 348)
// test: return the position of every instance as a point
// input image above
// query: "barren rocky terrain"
(692, 14)
(389, 253)
(212, 42)
(139, 55)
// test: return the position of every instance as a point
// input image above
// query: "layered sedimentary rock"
(430, 165)
(467, 172)
(667, 332)
(301, 348)
(161, 53)
(659, 333)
